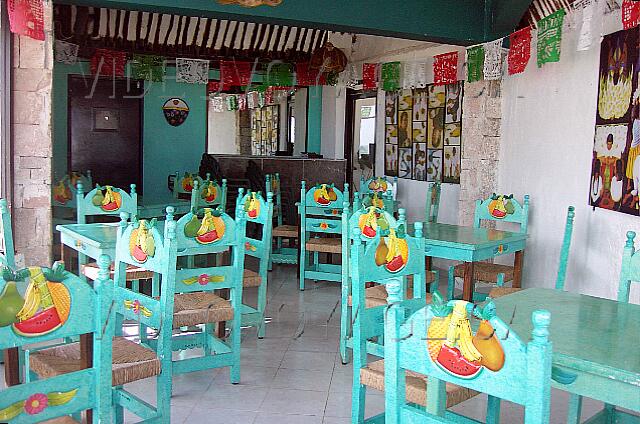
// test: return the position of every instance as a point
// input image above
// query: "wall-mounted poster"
(264, 130)
(423, 133)
(615, 168)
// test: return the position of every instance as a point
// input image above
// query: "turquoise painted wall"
(169, 149)
(166, 149)
(314, 119)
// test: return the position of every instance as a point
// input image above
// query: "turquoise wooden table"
(596, 345)
(469, 245)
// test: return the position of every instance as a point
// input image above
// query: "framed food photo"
(405, 130)
(391, 107)
(451, 169)
(434, 165)
(391, 159)
(420, 161)
(405, 159)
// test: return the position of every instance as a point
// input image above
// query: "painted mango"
(488, 345)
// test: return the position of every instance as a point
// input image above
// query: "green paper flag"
(280, 75)
(390, 76)
(475, 63)
(550, 37)
(148, 67)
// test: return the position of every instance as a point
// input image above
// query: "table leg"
(467, 288)
(517, 269)
(428, 263)
(222, 325)
(11, 366)
(86, 361)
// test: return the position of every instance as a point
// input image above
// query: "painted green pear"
(10, 303)
(192, 227)
(97, 198)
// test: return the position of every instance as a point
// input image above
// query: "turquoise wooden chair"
(260, 213)
(209, 194)
(383, 200)
(321, 210)
(432, 203)
(209, 232)
(184, 184)
(437, 342)
(562, 262)
(281, 254)
(496, 208)
(380, 185)
(57, 305)
(629, 273)
(8, 254)
(388, 254)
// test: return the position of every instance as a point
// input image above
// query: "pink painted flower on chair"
(135, 306)
(203, 279)
(36, 403)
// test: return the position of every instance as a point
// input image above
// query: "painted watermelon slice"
(368, 231)
(452, 361)
(138, 254)
(323, 201)
(253, 213)
(395, 265)
(39, 324)
(210, 199)
(111, 206)
(208, 237)
(496, 213)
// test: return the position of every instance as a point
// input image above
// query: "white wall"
(300, 112)
(546, 149)
(221, 131)
(333, 109)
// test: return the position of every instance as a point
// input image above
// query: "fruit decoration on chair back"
(252, 206)
(207, 230)
(453, 346)
(187, 182)
(142, 246)
(501, 205)
(107, 199)
(46, 304)
(371, 221)
(209, 193)
(324, 194)
(62, 192)
(330, 60)
(378, 185)
(393, 251)
(372, 199)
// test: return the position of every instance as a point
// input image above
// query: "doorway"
(105, 131)
(360, 136)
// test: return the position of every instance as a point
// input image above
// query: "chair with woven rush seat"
(629, 273)
(57, 305)
(437, 342)
(389, 254)
(432, 203)
(321, 209)
(209, 232)
(497, 208)
(562, 264)
(259, 212)
(184, 184)
(281, 254)
(8, 255)
(209, 194)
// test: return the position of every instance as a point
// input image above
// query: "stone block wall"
(481, 146)
(243, 131)
(32, 64)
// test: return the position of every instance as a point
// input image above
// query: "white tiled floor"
(295, 375)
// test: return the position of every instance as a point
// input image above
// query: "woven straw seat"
(288, 231)
(484, 271)
(133, 273)
(416, 384)
(200, 308)
(131, 361)
(324, 245)
(377, 295)
(251, 279)
(502, 291)
(61, 420)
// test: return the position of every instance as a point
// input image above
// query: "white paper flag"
(493, 60)
(66, 52)
(192, 71)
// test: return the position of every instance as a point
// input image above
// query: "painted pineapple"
(438, 327)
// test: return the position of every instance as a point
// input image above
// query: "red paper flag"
(630, 14)
(519, 50)
(370, 75)
(108, 62)
(305, 76)
(215, 87)
(234, 73)
(445, 68)
(26, 18)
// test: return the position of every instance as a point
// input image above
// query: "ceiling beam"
(503, 16)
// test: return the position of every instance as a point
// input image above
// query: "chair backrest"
(258, 211)
(272, 184)
(630, 268)
(8, 255)
(502, 207)
(437, 341)
(566, 247)
(105, 200)
(63, 192)
(56, 305)
(184, 184)
(209, 194)
(321, 209)
(433, 202)
(382, 200)
(380, 185)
